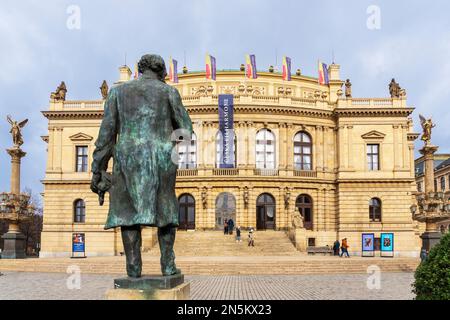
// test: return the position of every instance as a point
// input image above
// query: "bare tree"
(30, 228)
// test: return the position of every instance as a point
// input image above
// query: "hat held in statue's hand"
(102, 186)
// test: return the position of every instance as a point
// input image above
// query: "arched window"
(304, 205)
(375, 210)
(79, 208)
(265, 149)
(220, 159)
(442, 228)
(302, 151)
(442, 183)
(187, 154)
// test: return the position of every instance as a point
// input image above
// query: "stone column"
(16, 155)
(290, 146)
(428, 154)
(350, 154)
(14, 240)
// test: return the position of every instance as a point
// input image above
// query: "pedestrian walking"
(238, 234)
(225, 226)
(251, 238)
(344, 248)
(336, 247)
(230, 226)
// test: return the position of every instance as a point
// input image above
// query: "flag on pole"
(251, 66)
(323, 73)
(210, 67)
(286, 68)
(173, 74)
(136, 70)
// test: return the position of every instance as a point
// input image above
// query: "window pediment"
(373, 135)
(81, 137)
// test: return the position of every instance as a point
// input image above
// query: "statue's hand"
(96, 177)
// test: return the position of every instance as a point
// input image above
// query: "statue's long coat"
(139, 119)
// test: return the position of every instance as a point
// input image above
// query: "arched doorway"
(265, 212)
(304, 205)
(186, 211)
(225, 208)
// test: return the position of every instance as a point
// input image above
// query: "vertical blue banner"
(226, 112)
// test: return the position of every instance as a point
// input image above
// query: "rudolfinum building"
(346, 164)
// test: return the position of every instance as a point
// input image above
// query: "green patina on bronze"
(139, 119)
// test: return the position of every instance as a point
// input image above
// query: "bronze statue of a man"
(139, 119)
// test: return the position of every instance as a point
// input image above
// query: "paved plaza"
(25, 285)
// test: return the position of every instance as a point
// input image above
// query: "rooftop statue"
(60, 93)
(104, 89)
(427, 125)
(348, 88)
(394, 89)
(15, 130)
(137, 131)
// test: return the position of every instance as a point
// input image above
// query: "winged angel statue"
(15, 130)
(427, 125)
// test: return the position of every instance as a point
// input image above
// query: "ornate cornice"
(78, 114)
(373, 112)
(254, 109)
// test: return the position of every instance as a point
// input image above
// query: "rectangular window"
(82, 159)
(442, 183)
(419, 186)
(435, 185)
(373, 157)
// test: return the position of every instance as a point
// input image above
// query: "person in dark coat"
(336, 247)
(137, 130)
(225, 226)
(230, 226)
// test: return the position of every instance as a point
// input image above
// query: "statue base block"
(150, 288)
(14, 246)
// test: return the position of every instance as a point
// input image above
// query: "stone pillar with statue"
(431, 206)
(14, 206)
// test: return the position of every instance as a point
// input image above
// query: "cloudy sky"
(41, 45)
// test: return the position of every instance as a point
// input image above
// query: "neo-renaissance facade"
(347, 164)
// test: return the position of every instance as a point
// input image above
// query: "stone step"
(217, 265)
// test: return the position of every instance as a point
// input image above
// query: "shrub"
(432, 277)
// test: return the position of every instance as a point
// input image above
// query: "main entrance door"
(225, 209)
(265, 212)
(186, 212)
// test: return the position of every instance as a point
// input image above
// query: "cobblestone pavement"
(20, 285)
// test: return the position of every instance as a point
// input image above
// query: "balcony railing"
(305, 173)
(225, 171)
(266, 172)
(187, 172)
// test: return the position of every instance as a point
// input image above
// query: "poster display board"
(387, 244)
(368, 241)
(78, 245)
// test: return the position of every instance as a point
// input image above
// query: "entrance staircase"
(213, 253)
(215, 243)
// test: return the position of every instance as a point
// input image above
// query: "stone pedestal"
(14, 246)
(150, 288)
(430, 239)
